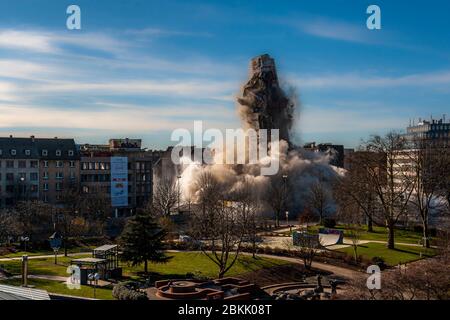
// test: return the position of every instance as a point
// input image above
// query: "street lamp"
(178, 192)
(24, 239)
(22, 191)
(287, 220)
(55, 244)
(284, 191)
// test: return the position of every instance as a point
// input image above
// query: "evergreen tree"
(142, 241)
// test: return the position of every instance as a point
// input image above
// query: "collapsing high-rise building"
(263, 104)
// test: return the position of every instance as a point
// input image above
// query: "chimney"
(32, 138)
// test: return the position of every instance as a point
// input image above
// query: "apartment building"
(59, 168)
(121, 171)
(19, 170)
(35, 168)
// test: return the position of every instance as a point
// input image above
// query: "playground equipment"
(324, 238)
(330, 237)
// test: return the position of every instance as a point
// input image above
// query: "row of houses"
(43, 169)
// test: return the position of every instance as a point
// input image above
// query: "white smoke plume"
(264, 105)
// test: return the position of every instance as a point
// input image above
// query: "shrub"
(379, 261)
(329, 223)
(128, 291)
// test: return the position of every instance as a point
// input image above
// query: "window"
(22, 164)
(85, 189)
(10, 188)
(72, 175)
(45, 164)
(58, 186)
(45, 198)
(34, 188)
(59, 164)
(72, 164)
(27, 152)
(10, 177)
(70, 153)
(33, 164)
(45, 152)
(45, 175)
(84, 166)
(34, 176)
(45, 186)
(58, 153)
(59, 175)
(13, 152)
(10, 164)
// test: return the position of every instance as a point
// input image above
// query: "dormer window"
(13, 152)
(58, 153)
(45, 152)
(70, 153)
(27, 152)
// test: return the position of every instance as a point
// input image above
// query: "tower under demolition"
(263, 104)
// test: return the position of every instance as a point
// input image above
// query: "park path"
(338, 271)
(46, 256)
(44, 277)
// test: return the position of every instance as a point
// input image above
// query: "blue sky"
(144, 68)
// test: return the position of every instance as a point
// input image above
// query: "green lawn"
(45, 252)
(380, 234)
(179, 265)
(41, 266)
(401, 254)
(197, 262)
(61, 288)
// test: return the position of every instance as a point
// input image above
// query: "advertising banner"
(119, 181)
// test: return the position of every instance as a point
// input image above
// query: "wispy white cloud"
(361, 81)
(159, 32)
(203, 89)
(127, 119)
(320, 119)
(336, 30)
(26, 40)
(46, 42)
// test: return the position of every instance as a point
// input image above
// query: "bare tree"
(355, 189)
(218, 223)
(306, 218)
(8, 226)
(277, 195)
(319, 199)
(306, 248)
(423, 280)
(429, 166)
(393, 187)
(34, 220)
(351, 217)
(248, 204)
(165, 196)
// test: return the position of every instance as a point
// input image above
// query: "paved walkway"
(338, 271)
